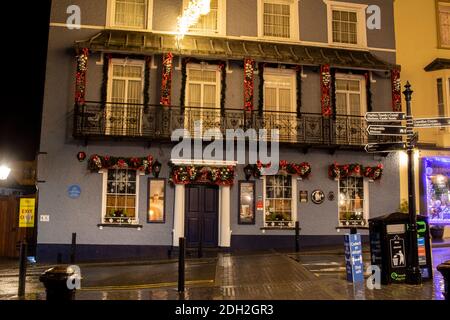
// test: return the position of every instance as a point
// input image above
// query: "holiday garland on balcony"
(97, 163)
(396, 90)
(166, 83)
(336, 171)
(80, 81)
(193, 174)
(326, 90)
(302, 170)
(249, 84)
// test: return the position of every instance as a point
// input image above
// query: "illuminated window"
(133, 14)
(121, 197)
(346, 23)
(278, 19)
(125, 97)
(352, 202)
(211, 22)
(280, 207)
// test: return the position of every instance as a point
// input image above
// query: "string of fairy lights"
(191, 15)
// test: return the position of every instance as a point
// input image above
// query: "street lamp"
(413, 275)
(4, 172)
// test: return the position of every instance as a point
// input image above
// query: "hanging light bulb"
(191, 15)
(4, 172)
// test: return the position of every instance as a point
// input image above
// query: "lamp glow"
(4, 172)
(191, 15)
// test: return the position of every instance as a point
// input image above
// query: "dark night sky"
(24, 52)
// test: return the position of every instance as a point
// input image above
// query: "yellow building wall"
(416, 29)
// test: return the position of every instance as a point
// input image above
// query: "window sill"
(126, 226)
(275, 228)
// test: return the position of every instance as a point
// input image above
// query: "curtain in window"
(208, 22)
(345, 26)
(277, 20)
(130, 13)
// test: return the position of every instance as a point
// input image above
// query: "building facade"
(428, 70)
(118, 88)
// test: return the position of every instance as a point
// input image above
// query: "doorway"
(201, 222)
(10, 233)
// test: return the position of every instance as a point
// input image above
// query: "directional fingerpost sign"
(385, 147)
(381, 130)
(432, 123)
(385, 116)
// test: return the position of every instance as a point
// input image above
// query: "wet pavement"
(309, 275)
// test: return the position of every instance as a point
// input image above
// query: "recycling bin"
(389, 246)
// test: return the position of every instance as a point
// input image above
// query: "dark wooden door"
(201, 223)
(10, 233)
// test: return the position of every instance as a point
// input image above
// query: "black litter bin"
(444, 268)
(56, 283)
(389, 245)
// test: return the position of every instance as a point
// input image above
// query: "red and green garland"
(249, 84)
(336, 171)
(166, 83)
(325, 83)
(97, 163)
(302, 170)
(80, 81)
(396, 90)
(221, 176)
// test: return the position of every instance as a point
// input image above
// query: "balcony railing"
(114, 120)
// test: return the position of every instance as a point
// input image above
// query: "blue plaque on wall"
(74, 192)
(353, 258)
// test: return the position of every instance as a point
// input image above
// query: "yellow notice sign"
(26, 213)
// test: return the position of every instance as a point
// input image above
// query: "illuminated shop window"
(352, 202)
(280, 209)
(437, 185)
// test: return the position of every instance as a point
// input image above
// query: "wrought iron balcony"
(155, 122)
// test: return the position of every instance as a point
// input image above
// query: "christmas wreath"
(303, 170)
(336, 171)
(97, 163)
(222, 176)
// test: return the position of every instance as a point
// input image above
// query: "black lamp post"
(156, 168)
(248, 171)
(413, 275)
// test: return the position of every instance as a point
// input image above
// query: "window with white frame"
(278, 19)
(280, 206)
(120, 197)
(203, 95)
(444, 24)
(353, 202)
(346, 24)
(125, 94)
(213, 22)
(350, 95)
(130, 14)
(279, 90)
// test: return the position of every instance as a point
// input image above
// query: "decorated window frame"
(360, 10)
(280, 224)
(111, 14)
(157, 203)
(249, 205)
(119, 217)
(294, 29)
(362, 79)
(135, 109)
(353, 186)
